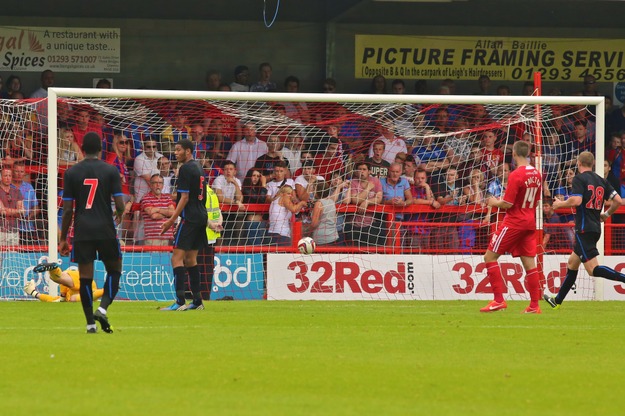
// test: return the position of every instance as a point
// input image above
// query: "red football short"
(514, 241)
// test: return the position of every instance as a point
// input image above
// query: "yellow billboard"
(501, 58)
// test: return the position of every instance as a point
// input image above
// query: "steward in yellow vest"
(215, 219)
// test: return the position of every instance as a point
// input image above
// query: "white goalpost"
(399, 252)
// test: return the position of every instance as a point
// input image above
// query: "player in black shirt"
(190, 236)
(589, 193)
(88, 188)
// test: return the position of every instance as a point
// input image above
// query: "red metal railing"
(614, 234)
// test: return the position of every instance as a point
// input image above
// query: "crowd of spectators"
(399, 174)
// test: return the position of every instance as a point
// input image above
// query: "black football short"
(190, 236)
(87, 251)
(586, 246)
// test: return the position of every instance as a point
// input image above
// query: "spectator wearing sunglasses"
(120, 158)
(145, 165)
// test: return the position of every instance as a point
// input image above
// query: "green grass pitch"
(314, 358)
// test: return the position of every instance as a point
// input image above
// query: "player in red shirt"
(517, 234)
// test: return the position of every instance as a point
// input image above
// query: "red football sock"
(533, 287)
(496, 280)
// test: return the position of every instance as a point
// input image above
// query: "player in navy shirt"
(88, 188)
(190, 236)
(589, 193)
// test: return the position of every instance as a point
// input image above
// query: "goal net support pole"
(539, 163)
(599, 160)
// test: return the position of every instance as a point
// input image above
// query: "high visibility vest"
(213, 211)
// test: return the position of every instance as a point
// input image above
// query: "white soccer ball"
(306, 245)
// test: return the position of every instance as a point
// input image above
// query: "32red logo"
(348, 275)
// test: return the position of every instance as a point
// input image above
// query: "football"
(306, 245)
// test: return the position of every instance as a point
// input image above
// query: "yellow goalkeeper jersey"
(66, 292)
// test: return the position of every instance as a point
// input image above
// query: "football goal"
(391, 188)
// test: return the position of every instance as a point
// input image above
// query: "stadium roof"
(486, 13)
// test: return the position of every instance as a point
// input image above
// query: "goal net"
(391, 188)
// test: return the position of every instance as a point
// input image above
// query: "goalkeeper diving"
(68, 280)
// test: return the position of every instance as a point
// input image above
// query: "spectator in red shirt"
(156, 208)
(11, 208)
(328, 162)
(615, 147)
(305, 156)
(491, 156)
(84, 125)
(422, 195)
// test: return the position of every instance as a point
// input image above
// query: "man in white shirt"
(392, 143)
(47, 81)
(228, 186)
(279, 180)
(146, 165)
(245, 152)
(292, 150)
(164, 167)
(228, 190)
(306, 183)
(241, 75)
